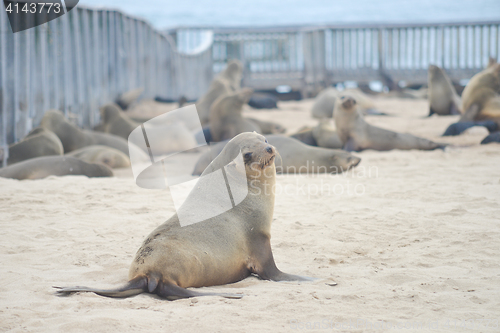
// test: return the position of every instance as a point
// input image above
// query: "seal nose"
(269, 149)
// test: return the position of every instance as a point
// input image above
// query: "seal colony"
(220, 250)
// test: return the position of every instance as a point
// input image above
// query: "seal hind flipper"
(134, 287)
(172, 292)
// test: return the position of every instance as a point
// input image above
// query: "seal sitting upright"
(223, 249)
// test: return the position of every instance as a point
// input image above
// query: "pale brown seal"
(41, 167)
(219, 250)
(294, 157)
(228, 81)
(325, 101)
(39, 142)
(481, 99)
(226, 120)
(326, 136)
(117, 122)
(443, 98)
(356, 134)
(73, 138)
(111, 157)
(268, 127)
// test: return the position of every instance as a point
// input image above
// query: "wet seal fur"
(41, 167)
(356, 134)
(223, 249)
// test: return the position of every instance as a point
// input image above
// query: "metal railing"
(306, 58)
(84, 59)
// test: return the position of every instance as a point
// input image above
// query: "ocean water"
(169, 14)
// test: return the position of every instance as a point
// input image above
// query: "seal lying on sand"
(294, 157)
(268, 127)
(41, 167)
(326, 136)
(356, 134)
(458, 128)
(128, 98)
(223, 249)
(493, 137)
(263, 101)
(443, 98)
(111, 157)
(115, 121)
(305, 135)
(39, 142)
(226, 120)
(325, 102)
(73, 138)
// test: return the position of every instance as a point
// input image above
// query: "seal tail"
(134, 287)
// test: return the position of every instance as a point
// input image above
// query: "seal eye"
(247, 156)
(266, 141)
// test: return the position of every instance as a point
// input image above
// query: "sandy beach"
(408, 239)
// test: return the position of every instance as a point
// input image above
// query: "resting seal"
(493, 137)
(41, 167)
(223, 249)
(326, 136)
(295, 157)
(356, 134)
(325, 102)
(128, 98)
(443, 98)
(115, 121)
(111, 157)
(73, 138)
(226, 120)
(305, 135)
(39, 142)
(268, 127)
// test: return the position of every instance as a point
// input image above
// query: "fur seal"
(228, 81)
(115, 121)
(232, 74)
(443, 98)
(73, 138)
(296, 157)
(111, 157)
(326, 136)
(493, 137)
(39, 142)
(226, 120)
(356, 134)
(268, 127)
(41, 167)
(325, 102)
(219, 250)
(128, 98)
(481, 99)
(458, 128)
(305, 135)
(263, 101)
